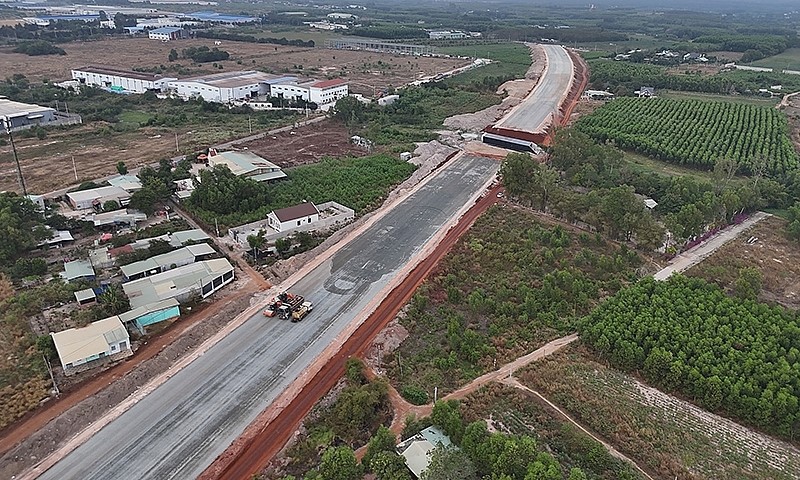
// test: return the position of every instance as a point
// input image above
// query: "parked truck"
(301, 312)
(283, 305)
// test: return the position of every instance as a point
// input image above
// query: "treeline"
(360, 183)
(204, 54)
(576, 34)
(590, 183)
(737, 357)
(624, 77)
(236, 37)
(759, 46)
(388, 31)
(39, 47)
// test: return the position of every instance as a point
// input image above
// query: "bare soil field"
(671, 436)
(366, 71)
(305, 145)
(773, 254)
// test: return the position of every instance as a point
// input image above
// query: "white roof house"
(77, 269)
(201, 278)
(129, 183)
(77, 347)
(224, 87)
(85, 199)
(417, 449)
(246, 164)
(167, 261)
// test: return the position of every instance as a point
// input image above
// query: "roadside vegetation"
(697, 133)
(359, 183)
(509, 61)
(667, 437)
(510, 285)
(730, 355)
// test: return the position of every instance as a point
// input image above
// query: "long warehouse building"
(122, 81)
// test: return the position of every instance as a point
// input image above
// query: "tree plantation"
(696, 133)
(735, 356)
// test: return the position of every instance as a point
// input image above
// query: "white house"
(328, 91)
(416, 451)
(85, 199)
(120, 80)
(80, 349)
(293, 217)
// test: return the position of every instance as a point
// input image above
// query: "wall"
(328, 95)
(240, 233)
(156, 317)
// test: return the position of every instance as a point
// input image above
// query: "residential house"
(293, 217)
(83, 348)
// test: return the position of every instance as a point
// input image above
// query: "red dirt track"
(272, 437)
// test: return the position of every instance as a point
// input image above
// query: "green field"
(710, 97)
(512, 60)
(788, 60)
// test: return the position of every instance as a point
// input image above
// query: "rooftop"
(10, 108)
(329, 83)
(58, 237)
(416, 449)
(95, 193)
(77, 269)
(78, 344)
(242, 163)
(118, 72)
(180, 256)
(166, 30)
(173, 283)
(86, 294)
(296, 211)
(126, 182)
(132, 315)
(230, 79)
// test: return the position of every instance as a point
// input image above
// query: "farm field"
(510, 285)
(664, 434)
(711, 97)
(306, 144)
(373, 69)
(773, 254)
(729, 355)
(696, 133)
(512, 60)
(787, 60)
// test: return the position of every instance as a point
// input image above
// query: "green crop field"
(695, 132)
(788, 60)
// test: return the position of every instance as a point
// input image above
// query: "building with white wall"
(246, 164)
(120, 80)
(80, 349)
(166, 34)
(225, 87)
(86, 199)
(447, 35)
(328, 91)
(199, 278)
(293, 217)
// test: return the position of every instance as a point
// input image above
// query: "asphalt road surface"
(179, 429)
(533, 114)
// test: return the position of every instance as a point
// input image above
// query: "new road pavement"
(179, 429)
(534, 113)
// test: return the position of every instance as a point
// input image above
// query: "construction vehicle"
(283, 305)
(301, 312)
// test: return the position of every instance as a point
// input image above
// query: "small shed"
(85, 297)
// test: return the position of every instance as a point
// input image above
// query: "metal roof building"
(24, 115)
(167, 261)
(129, 183)
(85, 199)
(416, 450)
(77, 269)
(246, 164)
(152, 313)
(201, 278)
(79, 347)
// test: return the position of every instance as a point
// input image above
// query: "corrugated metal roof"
(77, 269)
(138, 312)
(175, 282)
(78, 344)
(95, 193)
(166, 30)
(296, 211)
(86, 294)
(179, 256)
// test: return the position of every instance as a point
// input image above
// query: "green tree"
(256, 242)
(157, 247)
(793, 227)
(389, 466)
(576, 474)
(46, 346)
(21, 226)
(748, 283)
(110, 206)
(173, 55)
(122, 169)
(350, 111)
(144, 200)
(449, 463)
(447, 415)
(114, 300)
(340, 463)
(383, 441)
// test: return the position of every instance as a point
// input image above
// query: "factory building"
(19, 116)
(166, 34)
(122, 81)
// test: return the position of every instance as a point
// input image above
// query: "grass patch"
(507, 287)
(653, 428)
(711, 97)
(511, 61)
(641, 163)
(135, 117)
(789, 59)
(518, 413)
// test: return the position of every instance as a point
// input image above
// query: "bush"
(39, 47)
(414, 394)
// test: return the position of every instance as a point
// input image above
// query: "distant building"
(58, 239)
(201, 278)
(121, 80)
(342, 16)
(166, 34)
(225, 87)
(327, 91)
(417, 450)
(80, 349)
(646, 92)
(388, 100)
(86, 199)
(326, 25)
(246, 164)
(447, 35)
(123, 217)
(214, 17)
(293, 217)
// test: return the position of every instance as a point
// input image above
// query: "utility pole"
(176, 142)
(50, 371)
(74, 168)
(250, 124)
(16, 158)
(216, 226)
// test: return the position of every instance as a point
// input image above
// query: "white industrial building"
(120, 80)
(447, 35)
(200, 278)
(293, 217)
(229, 87)
(223, 87)
(82, 348)
(19, 116)
(166, 34)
